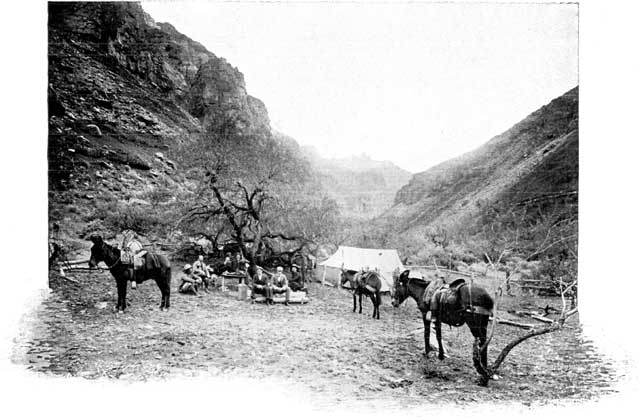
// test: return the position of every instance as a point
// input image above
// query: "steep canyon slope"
(127, 96)
(532, 166)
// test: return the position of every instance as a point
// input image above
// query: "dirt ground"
(321, 347)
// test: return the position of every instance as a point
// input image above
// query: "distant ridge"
(362, 187)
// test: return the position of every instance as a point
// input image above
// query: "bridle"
(115, 263)
(112, 265)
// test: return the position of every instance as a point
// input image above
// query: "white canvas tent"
(385, 261)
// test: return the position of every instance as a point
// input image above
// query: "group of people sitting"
(198, 276)
(269, 286)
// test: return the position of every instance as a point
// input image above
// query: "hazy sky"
(414, 83)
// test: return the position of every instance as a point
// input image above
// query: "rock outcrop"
(123, 88)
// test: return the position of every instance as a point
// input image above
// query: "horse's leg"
(123, 295)
(120, 293)
(483, 340)
(360, 302)
(478, 327)
(378, 300)
(354, 301)
(439, 337)
(427, 333)
(372, 296)
(167, 287)
(167, 296)
(163, 290)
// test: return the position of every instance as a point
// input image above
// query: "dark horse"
(366, 283)
(155, 267)
(465, 303)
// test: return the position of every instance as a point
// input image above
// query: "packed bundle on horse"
(153, 266)
(368, 283)
(454, 304)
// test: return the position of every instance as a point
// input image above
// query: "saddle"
(136, 260)
(443, 302)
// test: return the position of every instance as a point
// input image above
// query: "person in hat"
(296, 279)
(190, 282)
(281, 285)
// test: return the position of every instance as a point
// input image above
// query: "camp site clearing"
(321, 348)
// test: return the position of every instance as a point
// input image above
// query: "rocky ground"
(320, 348)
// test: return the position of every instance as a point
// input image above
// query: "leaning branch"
(488, 371)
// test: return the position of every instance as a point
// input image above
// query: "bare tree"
(259, 191)
(505, 236)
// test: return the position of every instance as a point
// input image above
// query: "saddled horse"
(366, 283)
(155, 266)
(459, 303)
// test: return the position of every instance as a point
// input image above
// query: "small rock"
(159, 155)
(89, 196)
(95, 130)
(72, 150)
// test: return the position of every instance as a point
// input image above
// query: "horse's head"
(347, 276)
(97, 251)
(400, 290)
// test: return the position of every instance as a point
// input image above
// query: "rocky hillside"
(363, 188)
(127, 96)
(533, 164)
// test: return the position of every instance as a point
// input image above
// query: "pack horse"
(366, 283)
(455, 304)
(153, 266)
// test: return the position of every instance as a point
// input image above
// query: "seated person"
(247, 277)
(296, 280)
(228, 263)
(281, 285)
(190, 282)
(236, 263)
(200, 270)
(212, 274)
(262, 285)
